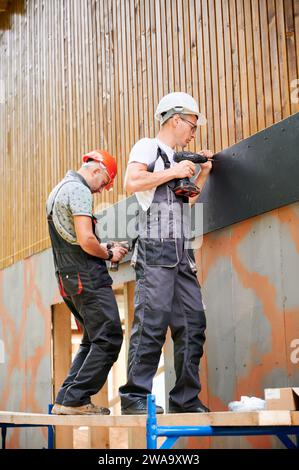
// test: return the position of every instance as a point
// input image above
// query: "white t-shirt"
(145, 151)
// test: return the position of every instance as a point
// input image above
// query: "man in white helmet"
(167, 292)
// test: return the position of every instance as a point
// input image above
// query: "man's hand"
(207, 166)
(119, 252)
(184, 169)
(202, 177)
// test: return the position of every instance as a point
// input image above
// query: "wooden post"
(62, 356)
(99, 437)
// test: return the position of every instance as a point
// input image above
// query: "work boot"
(200, 408)
(139, 407)
(56, 410)
(88, 409)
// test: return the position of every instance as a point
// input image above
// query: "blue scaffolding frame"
(5, 426)
(172, 433)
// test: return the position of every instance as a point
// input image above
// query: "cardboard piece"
(282, 398)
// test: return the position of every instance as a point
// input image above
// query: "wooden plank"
(215, 80)
(250, 68)
(109, 196)
(182, 45)
(283, 60)
(225, 418)
(221, 74)
(139, 117)
(296, 20)
(170, 57)
(117, 120)
(228, 73)
(127, 131)
(266, 63)
(135, 89)
(62, 353)
(153, 70)
(99, 437)
(275, 85)
(4, 5)
(92, 63)
(235, 69)
(188, 46)
(295, 418)
(210, 142)
(258, 66)
(275, 418)
(243, 68)
(175, 46)
(145, 97)
(291, 47)
(158, 70)
(193, 78)
(120, 105)
(163, 46)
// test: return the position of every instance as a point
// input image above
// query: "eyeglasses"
(193, 126)
(103, 168)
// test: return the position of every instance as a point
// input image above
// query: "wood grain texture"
(77, 75)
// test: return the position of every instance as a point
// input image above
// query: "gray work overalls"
(85, 286)
(167, 294)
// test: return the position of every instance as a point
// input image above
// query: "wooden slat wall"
(84, 73)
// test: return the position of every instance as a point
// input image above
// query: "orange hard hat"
(106, 160)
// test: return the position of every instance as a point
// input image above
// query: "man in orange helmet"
(84, 282)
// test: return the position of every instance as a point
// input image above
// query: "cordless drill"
(185, 187)
(114, 264)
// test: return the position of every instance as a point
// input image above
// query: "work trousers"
(166, 297)
(97, 313)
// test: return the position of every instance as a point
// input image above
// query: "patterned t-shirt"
(73, 198)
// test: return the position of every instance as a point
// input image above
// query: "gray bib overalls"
(167, 294)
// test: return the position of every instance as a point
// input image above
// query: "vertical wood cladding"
(78, 74)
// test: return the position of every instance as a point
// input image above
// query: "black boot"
(200, 408)
(139, 407)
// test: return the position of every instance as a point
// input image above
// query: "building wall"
(76, 74)
(248, 273)
(27, 291)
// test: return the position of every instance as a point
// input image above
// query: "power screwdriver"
(185, 187)
(114, 264)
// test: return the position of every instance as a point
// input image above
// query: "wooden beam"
(99, 437)
(3, 5)
(62, 356)
(223, 418)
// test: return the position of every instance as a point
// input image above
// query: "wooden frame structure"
(252, 419)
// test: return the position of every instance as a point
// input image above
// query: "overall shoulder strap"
(160, 154)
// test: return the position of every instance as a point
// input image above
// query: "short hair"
(91, 163)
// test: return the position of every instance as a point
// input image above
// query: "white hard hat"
(178, 103)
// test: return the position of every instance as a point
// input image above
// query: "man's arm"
(89, 243)
(137, 177)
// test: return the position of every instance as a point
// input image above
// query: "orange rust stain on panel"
(16, 361)
(288, 216)
(284, 324)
